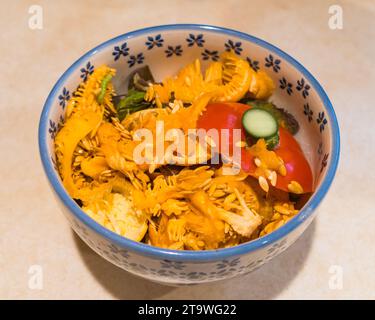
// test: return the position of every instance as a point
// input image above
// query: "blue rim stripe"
(210, 255)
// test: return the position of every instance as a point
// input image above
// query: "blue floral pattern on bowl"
(177, 51)
(64, 97)
(321, 121)
(308, 102)
(235, 46)
(156, 41)
(288, 86)
(308, 112)
(303, 87)
(273, 63)
(121, 50)
(210, 55)
(254, 64)
(86, 71)
(136, 59)
(195, 39)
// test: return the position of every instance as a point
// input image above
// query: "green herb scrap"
(133, 101)
(103, 87)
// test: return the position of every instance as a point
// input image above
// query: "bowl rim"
(189, 255)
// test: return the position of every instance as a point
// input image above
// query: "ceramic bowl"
(166, 49)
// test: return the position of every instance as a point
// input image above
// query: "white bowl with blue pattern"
(166, 49)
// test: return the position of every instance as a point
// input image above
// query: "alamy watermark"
(35, 281)
(196, 146)
(336, 280)
(35, 21)
(336, 19)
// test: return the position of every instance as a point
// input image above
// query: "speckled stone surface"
(341, 241)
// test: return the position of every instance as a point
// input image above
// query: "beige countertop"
(34, 233)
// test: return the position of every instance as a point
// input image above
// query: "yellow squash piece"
(236, 78)
(119, 151)
(261, 86)
(67, 139)
(214, 73)
(227, 81)
(83, 117)
(186, 86)
(93, 167)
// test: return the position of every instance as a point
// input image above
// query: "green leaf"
(133, 101)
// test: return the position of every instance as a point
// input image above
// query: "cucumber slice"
(259, 124)
(285, 119)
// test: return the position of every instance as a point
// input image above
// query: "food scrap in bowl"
(135, 163)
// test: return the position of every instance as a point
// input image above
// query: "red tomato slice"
(229, 116)
(297, 167)
(223, 116)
